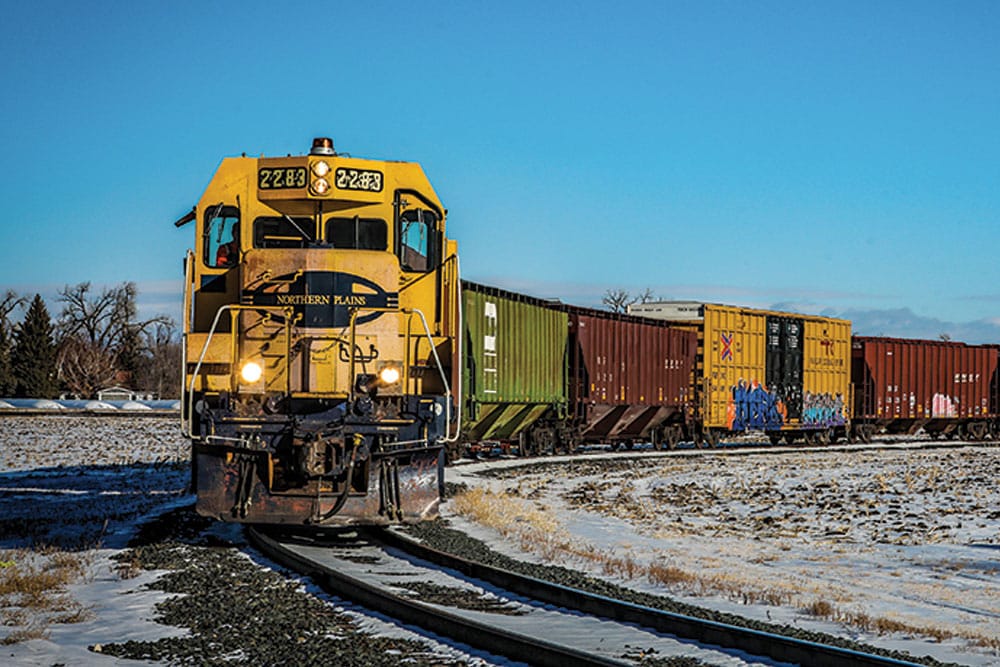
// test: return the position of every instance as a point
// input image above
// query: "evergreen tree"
(33, 358)
(7, 384)
(130, 354)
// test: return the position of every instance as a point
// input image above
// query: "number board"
(358, 179)
(281, 178)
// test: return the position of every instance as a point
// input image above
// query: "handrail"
(234, 309)
(458, 360)
(185, 327)
(187, 428)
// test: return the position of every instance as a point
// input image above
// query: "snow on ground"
(33, 442)
(909, 537)
(119, 610)
(899, 548)
(80, 484)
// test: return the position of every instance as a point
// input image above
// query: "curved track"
(491, 636)
(488, 637)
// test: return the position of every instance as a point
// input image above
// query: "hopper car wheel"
(977, 430)
(672, 436)
(775, 437)
(710, 438)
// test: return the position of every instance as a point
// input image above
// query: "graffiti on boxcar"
(752, 406)
(823, 409)
(943, 405)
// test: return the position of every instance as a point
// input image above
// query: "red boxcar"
(949, 389)
(629, 378)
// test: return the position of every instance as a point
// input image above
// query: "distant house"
(116, 394)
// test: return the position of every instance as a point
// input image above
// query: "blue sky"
(838, 158)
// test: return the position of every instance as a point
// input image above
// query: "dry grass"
(128, 568)
(883, 625)
(26, 634)
(537, 531)
(33, 591)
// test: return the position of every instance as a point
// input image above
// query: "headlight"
(321, 168)
(320, 186)
(251, 372)
(389, 375)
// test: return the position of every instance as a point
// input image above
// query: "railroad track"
(580, 628)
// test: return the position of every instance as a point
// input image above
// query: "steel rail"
(515, 646)
(756, 642)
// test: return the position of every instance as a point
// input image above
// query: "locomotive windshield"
(357, 233)
(283, 232)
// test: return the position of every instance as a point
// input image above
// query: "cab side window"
(221, 236)
(417, 239)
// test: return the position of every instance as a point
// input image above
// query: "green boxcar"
(514, 362)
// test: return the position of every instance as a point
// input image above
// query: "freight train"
(334, 358)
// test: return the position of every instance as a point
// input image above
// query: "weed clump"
(33, 592)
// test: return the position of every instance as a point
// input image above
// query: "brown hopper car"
(949, 389)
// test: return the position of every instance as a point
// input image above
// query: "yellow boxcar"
(784, 374)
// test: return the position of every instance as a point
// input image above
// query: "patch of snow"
(895, 534)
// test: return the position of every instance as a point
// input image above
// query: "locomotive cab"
(320, 318)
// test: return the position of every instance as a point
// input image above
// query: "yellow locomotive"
(320, 319)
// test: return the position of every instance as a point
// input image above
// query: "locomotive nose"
(322, 146)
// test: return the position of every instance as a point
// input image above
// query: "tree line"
(95, 342)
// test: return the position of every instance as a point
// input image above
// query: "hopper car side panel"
(629, 378)
(902, 385)
(513, 362)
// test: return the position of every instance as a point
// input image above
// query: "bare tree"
(160, 372)
(617, 300)
(647, 296)
(8, 383)
(85, 368)
(99, 336)
(10, 302)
